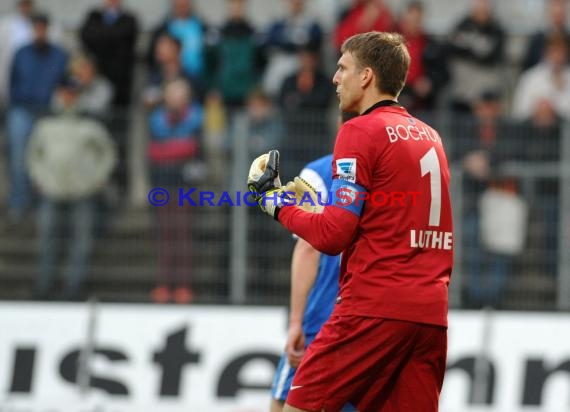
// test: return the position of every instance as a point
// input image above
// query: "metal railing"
(230, 254)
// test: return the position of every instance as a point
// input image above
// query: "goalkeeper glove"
(264, 181)
(264, 173)
(273, 200)
(306, 196)
(299, 193)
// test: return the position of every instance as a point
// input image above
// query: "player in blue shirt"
(314, 287)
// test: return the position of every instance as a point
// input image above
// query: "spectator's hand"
(477, 165)
(295, 346)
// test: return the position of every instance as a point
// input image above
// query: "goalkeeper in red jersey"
(384, 347)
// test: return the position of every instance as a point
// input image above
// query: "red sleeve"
(330, 232)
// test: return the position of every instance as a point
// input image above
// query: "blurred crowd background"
(101, 101)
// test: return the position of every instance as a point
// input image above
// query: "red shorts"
(378, 365)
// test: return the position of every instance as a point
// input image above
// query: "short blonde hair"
(386, 54)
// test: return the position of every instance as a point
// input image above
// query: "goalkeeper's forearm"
(329, 232)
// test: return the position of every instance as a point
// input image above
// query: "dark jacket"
(235, 61)
(467, 38)
(112, 43)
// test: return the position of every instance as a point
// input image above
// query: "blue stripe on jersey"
(348, 196)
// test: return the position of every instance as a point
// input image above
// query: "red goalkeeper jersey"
(390, 214)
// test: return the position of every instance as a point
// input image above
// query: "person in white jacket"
(70, 159)
(547, 82)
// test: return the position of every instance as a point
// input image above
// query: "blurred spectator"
(175, 129)
(92, 96)
(236, 56)
(37, 69)
(215, 137)
(538, 142)
(546, 120)
(284, 39)
(556, 11)
(478, 149)
(94, 93)
(266, 132)
(110, 34)
(548, 81)
(308, 87)
(265, 126)
(16, 30)
(168, 66)
(428, 71)
(70, 159)
(363, 16)
(190, 30)
(304, 99)
(476, 53)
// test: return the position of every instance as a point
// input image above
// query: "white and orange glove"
(271, 196)
(263, 180)
(305, 195)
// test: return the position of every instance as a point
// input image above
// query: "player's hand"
(295, 346)
(273, 200)
(264, 173)
(264, 181)
(306, 196)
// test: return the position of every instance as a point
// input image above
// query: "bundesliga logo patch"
(346, 169)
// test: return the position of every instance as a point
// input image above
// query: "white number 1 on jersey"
(429, 163)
